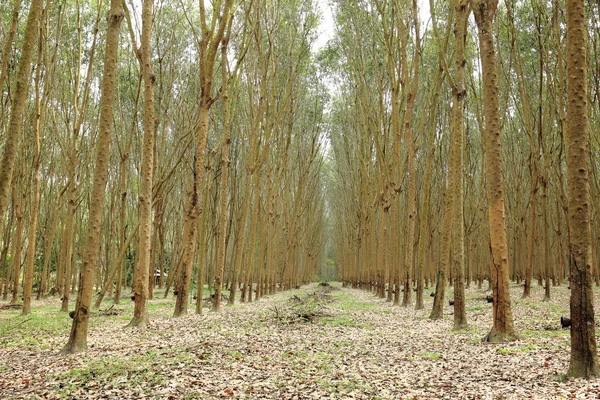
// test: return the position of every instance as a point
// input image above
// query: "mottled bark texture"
(78, 337)
(584, 357)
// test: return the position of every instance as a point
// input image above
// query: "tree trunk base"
(500, 337)
(582, 370)
(72, 347)
(138, 322)
(460, 326)
(435, 315)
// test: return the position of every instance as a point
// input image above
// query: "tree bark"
(78, 337)
(222, 233)
(584, 356)
(35, 194)
(15, 260)
(211, 38)
(459, 93)
(140, 312)
(18, 106)
(503, 329)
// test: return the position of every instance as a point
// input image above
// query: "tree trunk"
(503, 329)
(237, 265)
(211, 38)
(6, 53)
(18, 105)
(584, 356)
(78, 337)
(184, 273)
(143, 266)
(15, 260)
(116, 268)
(457, 142)
(35, 195)
(222, 234)
(531, 235)
(202, 250)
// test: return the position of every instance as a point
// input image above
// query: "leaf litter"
(318, 342)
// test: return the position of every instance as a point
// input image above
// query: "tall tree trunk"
(35, 193)
(211, 38)
(424, 225)
(18, 105)
(457, 142)
(78, 337)
(122, 222)
(503, 328)
(437, 310)
(222, 233)
(15, 260)
(546, 253)
(140, 312)
(4, 267)
(6, 53)
(202, 249)
(67, 252)
(531, 235)
(237, 264)
(116, 267)
(584, 356)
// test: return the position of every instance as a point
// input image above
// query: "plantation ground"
(363, 348)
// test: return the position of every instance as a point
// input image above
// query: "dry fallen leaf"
(364, 348)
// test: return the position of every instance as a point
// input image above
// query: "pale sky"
(327, 26)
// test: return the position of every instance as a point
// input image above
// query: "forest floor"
(337, 344)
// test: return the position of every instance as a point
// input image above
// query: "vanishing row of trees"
(449, 138)
(171, 143)
(183, 143)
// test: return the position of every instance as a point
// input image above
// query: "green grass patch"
(116, 371)
(561, 378)
(432, 355)
(166, 305)
(345, 386)
(525, 348)
(343, 343)
(503, 351)
(342, 320)
(543, 333)
(345, 301)
(234, 355)
(558, 309)
(32, 331)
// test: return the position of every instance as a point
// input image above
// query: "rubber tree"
(584, 355)
(78, 337)
(503, 328)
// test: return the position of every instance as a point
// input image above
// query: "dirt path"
(363, 348)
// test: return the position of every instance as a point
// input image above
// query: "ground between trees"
(360, 347)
